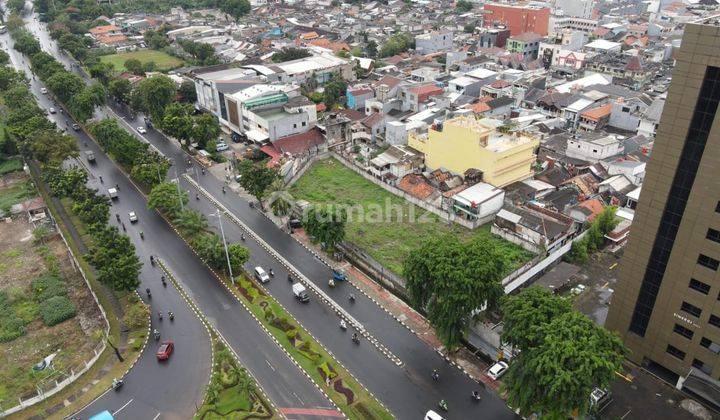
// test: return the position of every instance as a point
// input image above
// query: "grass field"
(388, 231)
(162, 61)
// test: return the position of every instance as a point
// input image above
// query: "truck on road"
(90, 156)
(300, 292)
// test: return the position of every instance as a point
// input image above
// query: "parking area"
(597, 277)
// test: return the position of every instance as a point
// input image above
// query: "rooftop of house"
(477, 194)
(598, 112)
(526, 37)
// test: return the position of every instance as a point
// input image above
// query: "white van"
(261, 275)
(431, 415)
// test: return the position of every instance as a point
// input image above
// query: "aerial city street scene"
(359, 209)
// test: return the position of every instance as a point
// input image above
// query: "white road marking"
(299, 399)
(123, 407)
(155, 418)
(271, 366)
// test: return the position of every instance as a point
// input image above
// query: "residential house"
(478, 202)
(595, 118)
(394, 163)
(433, 42)
(527, 44)
(534, 228)
(356, 96)
(593, 148)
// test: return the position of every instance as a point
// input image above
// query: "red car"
(165, 350)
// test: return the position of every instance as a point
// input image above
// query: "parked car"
(221, 147)
(52, 110)
(132, 216)
(165, 350)
(43, 90)
(294, 223)
(497, 370)
(142, 130)
(261, 275)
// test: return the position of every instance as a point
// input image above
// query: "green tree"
(101, 71)
(64, 183)
(397, 44)
(92, 209)
(463, 6)
(555, 378)
(150, 170)
(290, 53)
(578, 252)
(326, 226)
(239, 255)
(191, 222)
(187, 92)
(121, 89)
(113, 256)
(82, 105)
(371, 49)
(235, 8)
(134, 66)
(165, 197)
(154, 94)
(16, 6)
(256, 178)
(452, 280)
(9, 77)
(65, 85)
(335, 89)
(52, 148)
(177, 121)
(206, 128)
(469, 27)
(526, 314)
(210, 248)
(606, 220)
(4, 58)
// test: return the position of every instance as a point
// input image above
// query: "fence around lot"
(55, 384)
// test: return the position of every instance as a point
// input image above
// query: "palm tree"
(191, 222)
(280, 200)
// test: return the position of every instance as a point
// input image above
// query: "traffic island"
(232, 392)
(337, 383)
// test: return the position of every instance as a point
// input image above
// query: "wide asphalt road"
(408, 391)
(286, 385)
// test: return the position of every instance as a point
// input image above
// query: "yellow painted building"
(465, 142)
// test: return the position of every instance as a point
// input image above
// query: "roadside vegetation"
(564, 355)
(232, 392)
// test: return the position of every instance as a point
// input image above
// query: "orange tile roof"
(99, 30)
(597, 113)
(416, 186)
(480, 107)
(594, 205)
(111, 39)
(309, 35)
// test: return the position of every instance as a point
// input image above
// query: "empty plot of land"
(386, 226)
(162, 61)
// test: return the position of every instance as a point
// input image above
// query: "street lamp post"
(178, 187)
(227, 254)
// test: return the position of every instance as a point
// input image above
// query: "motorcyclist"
(290, 277)
(162, 279)
(197, 196)
(351, 297)
(476, 395)
(101, 180)
(223, 189)
(116, 383)
(343, 325)
(171, 315)
(159, 316)
(443, 404)
(156, 333)
(242, 236)
(435, 374)
(272, 273)
(142, 235)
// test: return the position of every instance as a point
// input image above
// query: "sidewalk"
(406, 315)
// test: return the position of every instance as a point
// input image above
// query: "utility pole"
(178, 188)
(227, 254)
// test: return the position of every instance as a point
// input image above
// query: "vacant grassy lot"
(162, 61)
(391, 227)
(23, 260)
(14, 189)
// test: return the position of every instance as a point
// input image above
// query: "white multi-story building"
(593, 150)
(433, 42)
(576, 8)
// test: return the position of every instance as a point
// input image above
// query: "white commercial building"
(576, 8)
(433, 42)
(593, 150)
(478, 202)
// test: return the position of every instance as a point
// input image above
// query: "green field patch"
(163, 61)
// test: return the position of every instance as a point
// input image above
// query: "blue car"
(339, 275)
(105, 415)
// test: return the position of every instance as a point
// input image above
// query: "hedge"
(11, 326)
(48, 286)
(56, 310)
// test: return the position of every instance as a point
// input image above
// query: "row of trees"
(170, 200)
(111, 253)
(563, 355)
(145, 166)
(69, 88)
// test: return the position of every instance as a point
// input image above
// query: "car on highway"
(132, 216)
(165, 350)
(43, 90)
(261, 275)
(142, 130)
(497, 370)
(221, 147)
(52, 110)
(431, 415)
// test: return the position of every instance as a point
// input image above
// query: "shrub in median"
(48, 286)
(56, 310)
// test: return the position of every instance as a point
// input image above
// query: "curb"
(298, 275)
